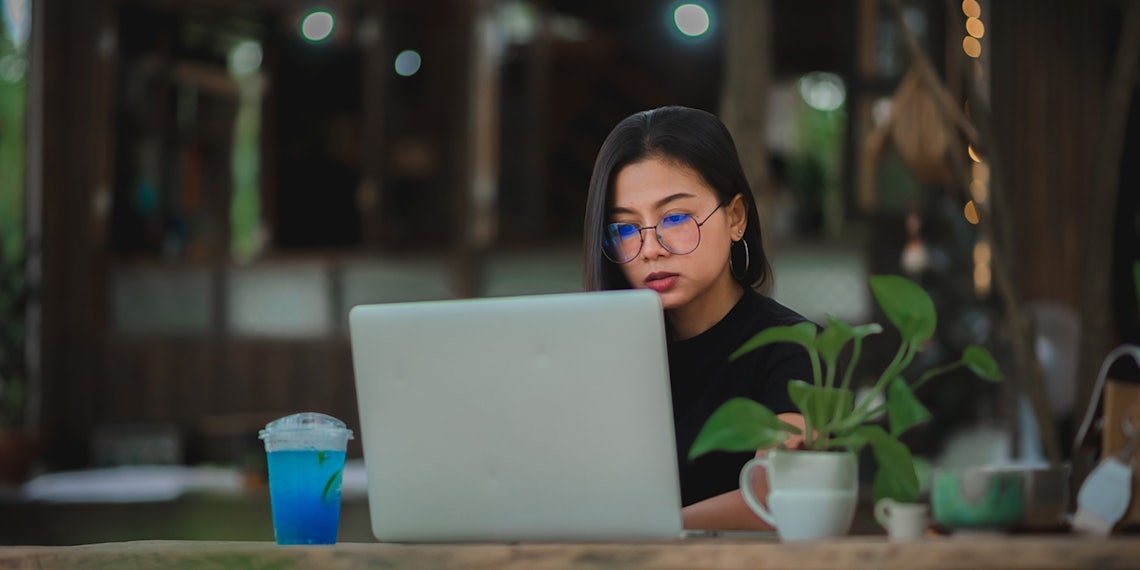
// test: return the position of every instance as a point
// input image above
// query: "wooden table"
(967, 553)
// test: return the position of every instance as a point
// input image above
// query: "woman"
(670, 210)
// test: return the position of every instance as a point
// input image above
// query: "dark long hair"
(694, 138)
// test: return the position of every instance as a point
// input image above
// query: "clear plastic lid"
(305, 430)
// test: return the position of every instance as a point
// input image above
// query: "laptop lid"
(544, 417)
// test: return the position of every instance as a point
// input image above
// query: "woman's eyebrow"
(674, 197)
(660, 203)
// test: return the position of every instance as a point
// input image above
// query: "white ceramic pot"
(811, 494)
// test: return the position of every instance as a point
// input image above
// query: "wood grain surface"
(972, 553)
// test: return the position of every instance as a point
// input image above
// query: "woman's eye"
(674, 219)
(624, 231)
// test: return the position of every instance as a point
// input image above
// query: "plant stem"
(817, 381)
(902, 358)
(838, 416)
(809, 433)
(921, 380)
(935, 372)
(829, 381)
(855, 352)
(816, 374)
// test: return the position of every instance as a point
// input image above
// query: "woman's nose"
(651, 246)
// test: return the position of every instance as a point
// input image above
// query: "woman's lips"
(661, 282)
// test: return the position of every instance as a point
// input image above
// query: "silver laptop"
(544, 417)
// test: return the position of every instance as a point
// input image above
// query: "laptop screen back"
(545, 417)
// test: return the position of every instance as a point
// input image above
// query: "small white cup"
(903, 521)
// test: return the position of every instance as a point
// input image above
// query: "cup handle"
(883, 511)
(746, 489)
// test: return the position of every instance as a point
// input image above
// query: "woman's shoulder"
(768, 312)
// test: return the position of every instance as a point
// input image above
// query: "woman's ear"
(737, 211)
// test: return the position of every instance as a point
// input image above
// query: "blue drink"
(305, 495)
(305, 453)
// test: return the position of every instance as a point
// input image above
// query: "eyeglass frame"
(641, 235)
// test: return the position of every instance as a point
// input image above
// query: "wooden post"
(1095, 281)
(479, 203)
(33, 222)
(373, 86)
(744, 99)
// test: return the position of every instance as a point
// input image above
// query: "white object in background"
(130, 484)
(902, 521)
(1106, 492)
(1105, 495)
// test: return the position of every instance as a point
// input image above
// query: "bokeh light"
(971, 8)
(822, 90)
(408, 63)
(972, 46)
(245, 58)
(979, 191)
(691, 19)
(980, 172)
(317, 25)
(971, 212)
(975, 27)
(983, 276)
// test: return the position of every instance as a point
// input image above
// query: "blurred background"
(193, 193)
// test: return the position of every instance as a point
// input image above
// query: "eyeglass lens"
(677, 233)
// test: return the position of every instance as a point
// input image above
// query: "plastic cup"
(305, 453)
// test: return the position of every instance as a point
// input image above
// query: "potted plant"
(838, 426)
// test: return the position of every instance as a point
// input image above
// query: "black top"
(703, 379)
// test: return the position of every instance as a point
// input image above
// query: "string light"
(983, 277)
(979, 191)
(975, 29)
(973, 153)
(972, 46)
(971, 213)
(971, 8)
(979, 171)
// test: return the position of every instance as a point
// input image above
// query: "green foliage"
(740, 425)
(13, 105)
(833, 419)
(13, 292)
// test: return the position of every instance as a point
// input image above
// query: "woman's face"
(646, 192)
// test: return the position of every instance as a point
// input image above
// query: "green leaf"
(982, 363)
(906, 305)
(852, 442)
(903, 409)
(819, 404)
(895, 476)
(831, 341)
(790, 428)
(739, 424)
(802, 334)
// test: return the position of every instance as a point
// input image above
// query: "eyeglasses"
(679, 234)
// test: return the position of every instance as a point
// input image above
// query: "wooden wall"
(217, 393)
(210, 386)
(1048, 72)
(72, 270)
